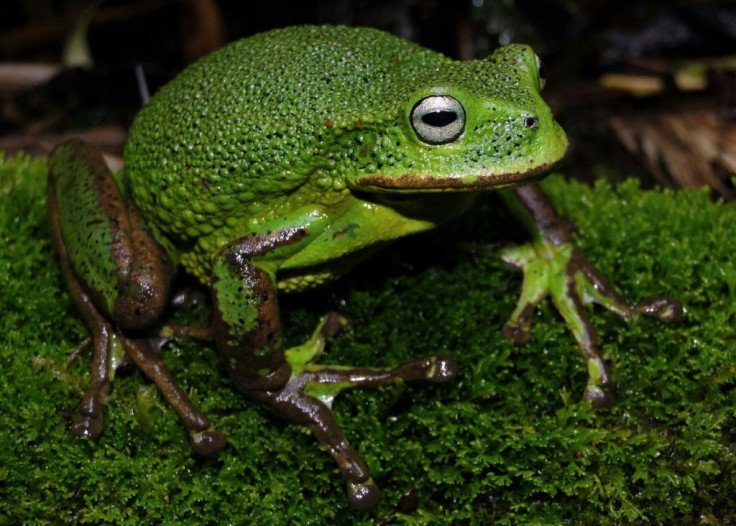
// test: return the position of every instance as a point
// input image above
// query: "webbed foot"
(563, 272)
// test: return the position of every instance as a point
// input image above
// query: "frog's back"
(248, 124)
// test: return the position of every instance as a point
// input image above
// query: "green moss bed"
(509, 442)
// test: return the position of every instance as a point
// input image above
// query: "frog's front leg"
(119, 278)
(554, 266)
(247, 330)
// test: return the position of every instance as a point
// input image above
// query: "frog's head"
(474, 125)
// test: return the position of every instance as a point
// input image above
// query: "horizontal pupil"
(439, 119)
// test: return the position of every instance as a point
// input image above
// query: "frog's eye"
(438, 119)
(541, 72)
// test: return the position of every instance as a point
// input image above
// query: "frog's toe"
(207, 442)
(333, 323)
(516, 333)
(664, 308)
(442, 369)
(88, 426)
(599, 397)
(363, 495)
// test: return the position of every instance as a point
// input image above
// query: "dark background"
(672, 137)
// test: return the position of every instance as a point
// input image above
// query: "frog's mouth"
(413, 182)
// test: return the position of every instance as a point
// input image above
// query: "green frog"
(276, 164)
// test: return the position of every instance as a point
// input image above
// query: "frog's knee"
(140, 306)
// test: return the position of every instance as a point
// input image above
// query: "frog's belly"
(361, 231)
(303, 278)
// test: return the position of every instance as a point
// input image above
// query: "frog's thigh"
(113, 254)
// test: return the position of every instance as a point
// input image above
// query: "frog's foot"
(562, 272)
(110, 348)
(307, 398)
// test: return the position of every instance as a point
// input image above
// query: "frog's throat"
(412, 182)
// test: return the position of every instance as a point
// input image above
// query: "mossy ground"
(508, 443)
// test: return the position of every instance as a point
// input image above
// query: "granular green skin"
(298, 116)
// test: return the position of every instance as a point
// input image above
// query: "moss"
(508, 443)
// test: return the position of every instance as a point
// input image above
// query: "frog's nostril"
(531, 122)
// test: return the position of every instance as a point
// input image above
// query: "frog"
(275, 165)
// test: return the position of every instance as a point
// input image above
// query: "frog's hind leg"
(89, 419)
(119, 278)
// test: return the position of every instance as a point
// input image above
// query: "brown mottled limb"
(144, 270)
(89, 420)
(295, 403)
(246, 321)
(552, 227)
(204, 439)
(290, 404)
(247, 330)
